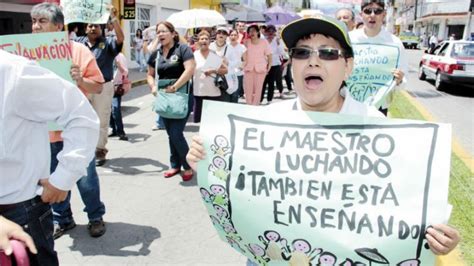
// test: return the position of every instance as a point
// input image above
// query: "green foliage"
(461, 186)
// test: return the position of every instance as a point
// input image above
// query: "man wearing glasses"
(373, 15)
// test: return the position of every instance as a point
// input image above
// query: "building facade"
(444, 18)
(15, 18)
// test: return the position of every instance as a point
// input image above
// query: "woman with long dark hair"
(138, 46)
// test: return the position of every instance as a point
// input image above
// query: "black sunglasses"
(221, 32)
(323, 53)
(376, 11)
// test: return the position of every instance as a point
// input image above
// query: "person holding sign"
(208, 64)
(373, 15)
(105, 50)
(322, 58)
(48, 17)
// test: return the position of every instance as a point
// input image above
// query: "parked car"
(409, 39)
(450, 62)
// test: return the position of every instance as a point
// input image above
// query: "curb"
(454, 257)
(139, 82)
(457, 149)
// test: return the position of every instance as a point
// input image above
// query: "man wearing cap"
(322, 59)
(373, 15)
(223, 49)
(347, 16)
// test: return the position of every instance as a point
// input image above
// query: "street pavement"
(150, 220)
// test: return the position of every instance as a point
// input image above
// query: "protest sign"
(51, 50)
(86, 11)
(372, 77)
(314, 188)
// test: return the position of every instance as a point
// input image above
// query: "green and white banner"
(86, 11)
(372, 77)
(306, 188)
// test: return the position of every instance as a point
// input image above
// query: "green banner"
(50, 50)
(372, 77)
(303, 188)
(86, 11)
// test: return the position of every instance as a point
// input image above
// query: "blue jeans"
(116, 122)
(178, 145)
(140, 58)
(89, 189)
(36, 219)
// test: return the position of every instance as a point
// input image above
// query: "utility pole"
(414, 20)
(467, 28)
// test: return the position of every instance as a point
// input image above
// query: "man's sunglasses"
(376, 11)
(323, 53)
(221, 32)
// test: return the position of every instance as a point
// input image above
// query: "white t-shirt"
(277, 51)
(234, 62)
(384, 37)
(349, 107)
(204, 85)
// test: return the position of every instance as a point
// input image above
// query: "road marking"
(454, 257)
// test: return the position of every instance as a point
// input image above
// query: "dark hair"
(255, 27)
(139, 33)
(171, 28)
(233, 30)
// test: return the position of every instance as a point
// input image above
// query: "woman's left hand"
(170, 89)
(442, 238)
(398, 75)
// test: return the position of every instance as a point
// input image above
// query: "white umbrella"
(196, 18)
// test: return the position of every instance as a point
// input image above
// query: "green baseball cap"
(321, 24)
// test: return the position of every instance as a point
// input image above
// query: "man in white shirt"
(275, 74)
(373, 15)
(28, 100)
(433, 41)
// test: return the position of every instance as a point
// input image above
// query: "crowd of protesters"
(252, 58)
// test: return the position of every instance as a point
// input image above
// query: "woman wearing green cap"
(322, 59)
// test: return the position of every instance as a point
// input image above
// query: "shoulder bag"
(220, 81)
(172, 105)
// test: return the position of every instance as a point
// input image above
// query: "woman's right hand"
(154, 92)
(196, 152)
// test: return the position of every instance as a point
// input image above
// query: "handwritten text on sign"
(287, 191)
(50, 50)
(372, 76)
(86, 11)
